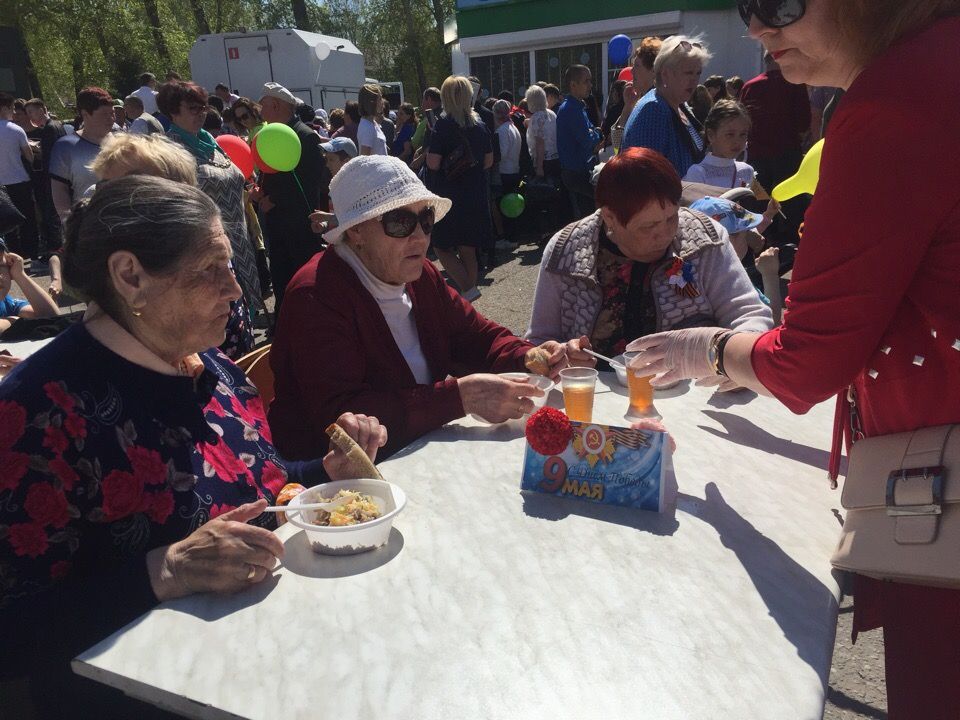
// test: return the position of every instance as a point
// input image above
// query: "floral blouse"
(627, 309)
(102, 460)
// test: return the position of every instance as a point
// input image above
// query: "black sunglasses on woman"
(772, 13)
(401, 223)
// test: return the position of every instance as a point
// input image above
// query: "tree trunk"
(413, 44)
(203, 27)
(300, 17)
(219, 16)
(153, 17)
(439, 17)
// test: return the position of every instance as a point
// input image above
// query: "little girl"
(727, 127)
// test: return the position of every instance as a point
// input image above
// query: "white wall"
(733, 52)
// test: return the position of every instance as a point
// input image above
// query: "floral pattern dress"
(102, 460)
(627, 308)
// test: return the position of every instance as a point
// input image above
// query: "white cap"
(371, 185)
(278, 91)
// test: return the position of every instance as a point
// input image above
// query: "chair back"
(247, 360)
(261, 375)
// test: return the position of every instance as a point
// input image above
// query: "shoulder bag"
(902, 497)
(460, 160)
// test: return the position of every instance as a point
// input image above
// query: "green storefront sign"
(490, 17)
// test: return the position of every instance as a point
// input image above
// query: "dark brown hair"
(722, 111)
(871, 26)
(90, 99)
(352, 110)
(160, 221)
(173, 94)
(250, 106)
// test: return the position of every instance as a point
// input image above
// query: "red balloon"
(239, 152)
(261, 165)
(626, 74)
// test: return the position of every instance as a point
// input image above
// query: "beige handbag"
(903, 508)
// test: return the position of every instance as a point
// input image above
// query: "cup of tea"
(579, 385)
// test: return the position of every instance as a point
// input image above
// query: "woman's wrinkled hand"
(366, 431)
(675, 355)
(558, 357)
(225, 555)
(576, 357)
(496, 399)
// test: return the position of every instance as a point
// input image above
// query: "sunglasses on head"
(688, 46)
(401, 223)
(772, 13)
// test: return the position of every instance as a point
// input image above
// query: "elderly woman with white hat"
(370, 324)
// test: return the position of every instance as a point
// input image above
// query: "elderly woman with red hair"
(640, 264)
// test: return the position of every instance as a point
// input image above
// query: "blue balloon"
(619, 49)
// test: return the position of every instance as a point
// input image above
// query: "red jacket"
(875, 296)
(333, 353)
(779, 112)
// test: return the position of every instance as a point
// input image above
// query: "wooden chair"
(261, 375)
(247, 360)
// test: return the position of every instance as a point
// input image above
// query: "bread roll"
(358, 464)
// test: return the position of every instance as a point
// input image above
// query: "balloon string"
(305, 200)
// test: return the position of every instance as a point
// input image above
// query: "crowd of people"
(136, 457)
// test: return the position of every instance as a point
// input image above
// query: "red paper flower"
(160, 506)
(548, 431)
(13, 466)
(28, 539)
(46, 505)
(55, 440)
(122, 495)
(62, 470)
(13, 421)
(59, 395)
(147, 465)
(59, 569)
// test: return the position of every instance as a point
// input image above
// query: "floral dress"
(627, 309)
(102, 460)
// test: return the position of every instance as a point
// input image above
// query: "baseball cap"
(734, 217)
(340, 144)
(278, 91)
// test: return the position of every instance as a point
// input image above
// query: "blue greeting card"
(603, 464)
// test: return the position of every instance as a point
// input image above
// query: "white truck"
(321, 70)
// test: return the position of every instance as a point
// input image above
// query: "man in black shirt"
(286, 199)
(47, 130)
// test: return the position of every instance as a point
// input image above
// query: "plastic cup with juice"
(579, 385)
(641, 392)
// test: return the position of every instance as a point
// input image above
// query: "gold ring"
(251, 572)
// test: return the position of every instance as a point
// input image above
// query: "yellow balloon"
(806, 179)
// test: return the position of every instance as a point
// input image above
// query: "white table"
(24, 348)
(534, 607)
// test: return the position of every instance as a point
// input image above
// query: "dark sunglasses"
(240, 117)
(772, 13)
(401, 223)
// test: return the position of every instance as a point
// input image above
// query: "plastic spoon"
(328, 506)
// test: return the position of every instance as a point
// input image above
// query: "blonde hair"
(456, 94)
(871, 26)
(677, 48)
(536, 99)
(127, 154)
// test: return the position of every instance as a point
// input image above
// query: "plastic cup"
(641, 392)
(579, 385)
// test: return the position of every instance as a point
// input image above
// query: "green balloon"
(512, 205)
(278, 147)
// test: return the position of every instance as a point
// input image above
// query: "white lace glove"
(676, 355)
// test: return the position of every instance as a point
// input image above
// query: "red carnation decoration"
(549, 431)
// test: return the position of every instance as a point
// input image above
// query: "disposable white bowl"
(621, 369)
(349, 539)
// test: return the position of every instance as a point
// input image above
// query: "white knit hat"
(371, 185)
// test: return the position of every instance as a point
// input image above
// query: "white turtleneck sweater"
(721, 172)
(397, 309)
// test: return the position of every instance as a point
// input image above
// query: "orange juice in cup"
(641, 392)
(578, 385)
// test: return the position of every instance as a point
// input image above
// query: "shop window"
(503, 72)
(552, 63)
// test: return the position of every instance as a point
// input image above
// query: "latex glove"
(368, 433)
(675, 355)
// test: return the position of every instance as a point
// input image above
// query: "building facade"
(509, 44)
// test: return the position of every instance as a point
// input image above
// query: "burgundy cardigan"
(333, 353)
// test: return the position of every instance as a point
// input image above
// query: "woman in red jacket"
(874, 302)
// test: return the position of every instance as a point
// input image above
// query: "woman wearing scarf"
(186, 106)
